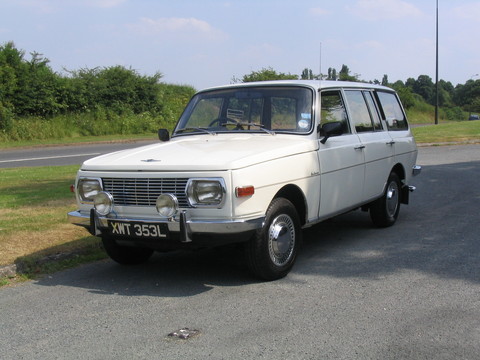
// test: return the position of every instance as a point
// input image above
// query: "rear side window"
(392, 111)
(373, 110)
(359, 112)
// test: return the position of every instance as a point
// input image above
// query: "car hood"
(203, 153)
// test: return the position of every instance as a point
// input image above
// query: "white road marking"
(47, 157)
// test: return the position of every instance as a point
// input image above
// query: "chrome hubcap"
(392, 198)
(281, 239)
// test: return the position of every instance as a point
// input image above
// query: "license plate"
(138, 230)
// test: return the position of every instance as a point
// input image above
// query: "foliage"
(468, 95)
(174, 98)
(27, 87)
(115, 88)
(267, 74)
(37, 103)
(332, 74)
(31, 88)
(307, 74)
(344, 74)
(406, 94)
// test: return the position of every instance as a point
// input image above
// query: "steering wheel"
(224, 121)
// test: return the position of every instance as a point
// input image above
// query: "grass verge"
(462, 131)
(33, 223)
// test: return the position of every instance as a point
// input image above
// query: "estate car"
(253, 163)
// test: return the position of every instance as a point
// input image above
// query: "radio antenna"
(320, 61)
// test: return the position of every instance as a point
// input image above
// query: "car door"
(377, 145)
(341, 158)
(401, 138)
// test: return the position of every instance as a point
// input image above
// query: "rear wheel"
(272, 250)
(125, 255)
(384, 211)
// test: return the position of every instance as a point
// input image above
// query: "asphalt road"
(411, 291)
(61, 155)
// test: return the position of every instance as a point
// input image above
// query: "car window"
(284, 115)
(359, 112)
(245, 109)
(333, 109)
(207, 110)
(285, 109)
(377, 124)
(392, 111)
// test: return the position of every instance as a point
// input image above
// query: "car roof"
(315, 84)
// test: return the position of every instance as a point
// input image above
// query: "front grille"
(144, 192)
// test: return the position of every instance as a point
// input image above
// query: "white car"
(253, 163)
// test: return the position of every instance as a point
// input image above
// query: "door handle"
(391, 143)
(359, 147)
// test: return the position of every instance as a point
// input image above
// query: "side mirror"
(163, 135)
(333, 128)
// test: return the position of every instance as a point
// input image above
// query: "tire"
(125, 255)
(384, 211)
(272, 251)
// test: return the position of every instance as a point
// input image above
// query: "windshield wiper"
(197, 129)
(260, 126)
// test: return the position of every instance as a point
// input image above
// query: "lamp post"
(436, 71)
(471, 78)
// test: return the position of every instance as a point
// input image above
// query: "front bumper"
(185, 227)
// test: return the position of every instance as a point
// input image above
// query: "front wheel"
(384, 211)
(125, 255)
(272, 250)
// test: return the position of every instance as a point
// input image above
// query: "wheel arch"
(296, 196)
(399, 170)
(404, 193)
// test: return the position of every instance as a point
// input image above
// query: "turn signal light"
(242, 191)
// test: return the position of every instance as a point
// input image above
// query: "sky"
(205, 43)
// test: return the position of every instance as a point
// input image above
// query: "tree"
(344, 74)
(332, 74)
(385, 80)
(468, 95)
(405, 93)
(27, 87)
(116, 88)
(425, 87)
(307, 74)
(267, 74)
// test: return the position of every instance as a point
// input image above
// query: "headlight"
(167, 205)
(103, 203)
(206, 192)
(88, 189)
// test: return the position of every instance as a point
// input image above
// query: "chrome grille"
(144, 192)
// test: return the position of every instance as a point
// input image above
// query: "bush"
(455, 114)
(6, 118)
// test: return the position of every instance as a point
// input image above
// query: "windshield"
(249, 109)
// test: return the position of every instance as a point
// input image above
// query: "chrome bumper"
(182, 224)
(416, 170)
